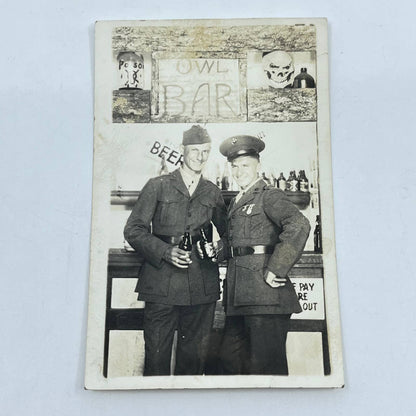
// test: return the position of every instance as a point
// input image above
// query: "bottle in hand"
(186, 243)
(206, 243)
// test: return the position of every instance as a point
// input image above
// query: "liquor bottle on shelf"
(314, 196)
(303, 80)
(292, 183)
(186, 243)
(265, 178)
(163, 166)
(303, 181)
(233, 185)
(218, 176)
(272, 180)
(225, 181)
(317, 237)
(281, 182)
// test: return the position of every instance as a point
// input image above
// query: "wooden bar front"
(123, 264)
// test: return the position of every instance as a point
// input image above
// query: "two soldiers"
(264, 237)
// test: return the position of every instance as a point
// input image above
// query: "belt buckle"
(251, 250)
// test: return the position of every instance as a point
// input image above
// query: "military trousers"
(255, 344)
(193, 324)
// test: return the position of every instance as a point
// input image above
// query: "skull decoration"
(130, 66)
(279, 69)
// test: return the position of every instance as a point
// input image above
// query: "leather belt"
(176, 240)
(248, 250)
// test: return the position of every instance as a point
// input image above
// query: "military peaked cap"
(236, 146)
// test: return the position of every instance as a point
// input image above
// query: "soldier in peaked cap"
(266, 235)
(241, 146)
(180, 289)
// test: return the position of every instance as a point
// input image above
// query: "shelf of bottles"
(295, 186)
(298, 198)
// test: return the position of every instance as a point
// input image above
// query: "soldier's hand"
(179, 258)
(272, 280)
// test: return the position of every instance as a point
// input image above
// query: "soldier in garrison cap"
(266, 235)
(180, 289)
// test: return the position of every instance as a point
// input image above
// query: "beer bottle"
(225, 181)
(287, 182)
(317, 238)
(292, 183)
(265, 178)
(303, 182)
(186, 243)
(206, 247)
(218, 181)
(273, 180)
(218, 177)
(281, 182)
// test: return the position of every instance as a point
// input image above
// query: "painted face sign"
(278, 66)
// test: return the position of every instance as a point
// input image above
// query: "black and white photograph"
(212, 248)
(207, 208)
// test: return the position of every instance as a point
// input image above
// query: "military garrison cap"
(195, 135)
(236, 146)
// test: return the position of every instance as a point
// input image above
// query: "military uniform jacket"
(165, 208)
(264, 216)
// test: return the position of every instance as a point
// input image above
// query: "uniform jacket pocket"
(207, 206)
(256, 222)
(154, 281)
(250, 287)
(169, 209)
(210, 276)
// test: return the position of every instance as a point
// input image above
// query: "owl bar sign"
(199, 88)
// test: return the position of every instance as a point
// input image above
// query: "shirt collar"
(244, 191)
(189, 178)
